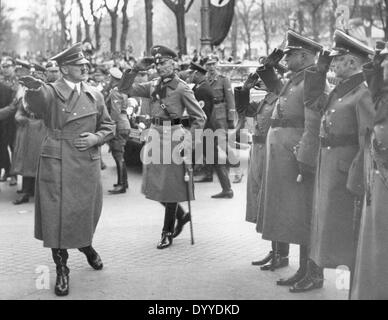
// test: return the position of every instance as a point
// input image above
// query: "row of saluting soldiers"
(318, 166)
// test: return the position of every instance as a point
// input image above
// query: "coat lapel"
(84, 106)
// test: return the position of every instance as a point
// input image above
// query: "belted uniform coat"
(261, 112)
(68, 194)
(287, 203)
(163, 175)
(370, 279)
(348, 112)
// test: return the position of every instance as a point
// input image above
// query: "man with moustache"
(292, 147)
(68, 195)
(347, 116)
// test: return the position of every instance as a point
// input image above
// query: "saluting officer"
(117, 104)
(371, 273)
(261, 112)
(68, 195)
(163, 175)
(347, 114)
(292, 147)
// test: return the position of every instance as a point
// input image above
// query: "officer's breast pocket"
(220, 111)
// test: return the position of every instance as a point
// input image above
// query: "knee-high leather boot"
(303, 258)
(168, 227)
(60, 257)
(312, 280)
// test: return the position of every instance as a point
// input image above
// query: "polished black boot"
(280, 260)
(312, 280)
(23, 198)
(93, 257)
(165, 240)
(225, 194)
(277, 262)
(182, 218)
(303, 252)
(261, 262)
(120, 187)
(60, 257)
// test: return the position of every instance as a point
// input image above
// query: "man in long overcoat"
(68, 191)
(347, 114)
(371, 274)
(292, 147)
(261, 112)
(163, 171)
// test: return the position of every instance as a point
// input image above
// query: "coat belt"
(62, 135)
(287, 123)
(259, 139)
(341, 140)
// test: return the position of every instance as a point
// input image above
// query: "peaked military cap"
(73, 55)
(297, 41)
(23, 64)
(197, 67)
(345, 44)
(211, 59)
(52, 65)
(38, 67)
(161, 52)
(7, 61)
(115, 73)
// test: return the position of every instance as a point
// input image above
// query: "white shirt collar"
(73, 85)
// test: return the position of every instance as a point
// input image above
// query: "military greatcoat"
(163, 174)
(370, 279)
(68, 195)
(261, 112)
(348, 112)
(292, 139)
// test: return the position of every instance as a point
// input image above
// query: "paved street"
(217, 267)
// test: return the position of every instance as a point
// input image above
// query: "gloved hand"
(30, 82)
(305, 169)
(124, 133)
(86, 141)
(231, 125)
(251, 81)
(21, 120)
(274, 58)
(324, 61)
(378, 58)
(144, 64)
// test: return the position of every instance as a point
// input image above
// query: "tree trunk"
(86, 24)
(385, 15)
(97, 24)
(97, 32)
(125, 26)
(113, 38)
(333, 18)
(181, 30)
(234, 37)
(149, 25)
(265, 28)
(79, 32)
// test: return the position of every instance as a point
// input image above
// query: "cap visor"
(336, 53)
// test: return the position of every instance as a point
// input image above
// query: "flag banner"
(221, 17)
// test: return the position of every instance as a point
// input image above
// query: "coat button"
(333, 111)
(339, 99)
(328, 148)
(74, 114)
